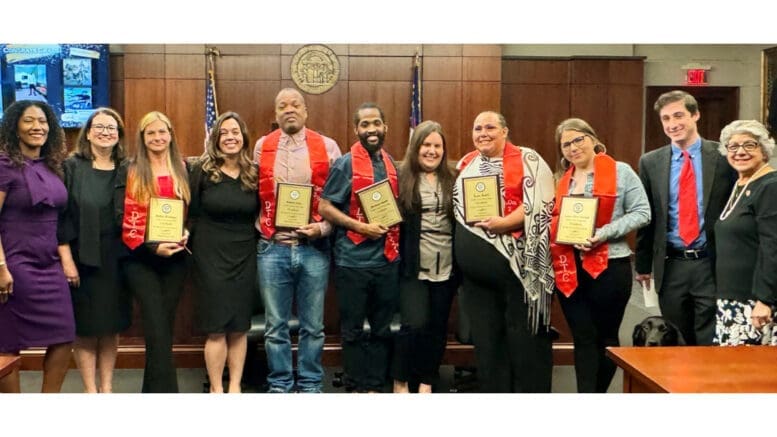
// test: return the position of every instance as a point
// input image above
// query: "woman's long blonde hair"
(141, 184)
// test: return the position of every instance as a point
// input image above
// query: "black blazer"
(85, 245)
(718, 178)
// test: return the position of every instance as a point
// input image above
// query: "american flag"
(415, 101)
(211, 106)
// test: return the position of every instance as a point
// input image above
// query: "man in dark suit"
(687, 182)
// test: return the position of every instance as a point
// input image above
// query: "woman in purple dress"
(35, 305)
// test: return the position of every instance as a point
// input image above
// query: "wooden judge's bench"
(697, 369)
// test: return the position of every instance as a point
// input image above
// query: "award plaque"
(292, 205)
(577, 219)
(379, 204)
(165, 220)
(482, 198)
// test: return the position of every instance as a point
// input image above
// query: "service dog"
(657, 331)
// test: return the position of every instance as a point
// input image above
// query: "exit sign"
(696, 74)
(696, 77)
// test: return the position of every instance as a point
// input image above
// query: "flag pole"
(211, 102)
(212, 53)
(416, 95)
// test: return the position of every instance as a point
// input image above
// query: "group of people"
(73, 246)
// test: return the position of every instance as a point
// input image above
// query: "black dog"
(657, 331)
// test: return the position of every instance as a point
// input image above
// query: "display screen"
(73, 78)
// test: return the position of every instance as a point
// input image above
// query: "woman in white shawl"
(505, 260)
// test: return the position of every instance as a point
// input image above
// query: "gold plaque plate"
(293, 203)
(379, 204)
(482, 198)
(577, 219)
(165, 220)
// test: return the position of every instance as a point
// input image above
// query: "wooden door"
(718, 106)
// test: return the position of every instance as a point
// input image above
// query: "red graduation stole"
(594, 261)
(319, 170)
(512, 163)
(133, 227)
(361, 164)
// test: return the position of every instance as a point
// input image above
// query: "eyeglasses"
(749, 146)
(102, 128)
(576, 141)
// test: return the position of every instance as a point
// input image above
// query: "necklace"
(736, 194)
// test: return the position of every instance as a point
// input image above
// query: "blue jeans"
(288, 273)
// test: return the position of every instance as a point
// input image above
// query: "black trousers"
(594, 313)
(509, 357)
(157, 284)
(371, 293)
(420, 343)
(687, 298)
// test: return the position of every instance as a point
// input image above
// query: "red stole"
(594, 261)
(361, 165)
(512, 164)
(319, 170)
(133, 227)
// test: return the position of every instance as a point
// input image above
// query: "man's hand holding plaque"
(379, 204)
(293, 205)
(577, 220)
(481, 198)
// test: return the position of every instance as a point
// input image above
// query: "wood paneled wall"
(537, 94)
(458, 82)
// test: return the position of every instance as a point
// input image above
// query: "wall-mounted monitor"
(73, 78)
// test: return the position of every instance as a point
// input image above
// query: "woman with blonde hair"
(90, 242)
(154, 271)
(221, 218)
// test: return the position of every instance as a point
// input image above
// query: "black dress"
(223, 241)
(101, 304)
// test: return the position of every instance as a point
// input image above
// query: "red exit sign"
(696, 77)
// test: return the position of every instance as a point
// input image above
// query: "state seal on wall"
(315, 68)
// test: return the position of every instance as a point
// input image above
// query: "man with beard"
(366, 254)
(293, 265)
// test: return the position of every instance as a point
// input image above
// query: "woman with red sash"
(154, 271)
(507, 275)
(594, 278)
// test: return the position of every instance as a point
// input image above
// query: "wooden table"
(7, 364)
(697, 369)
